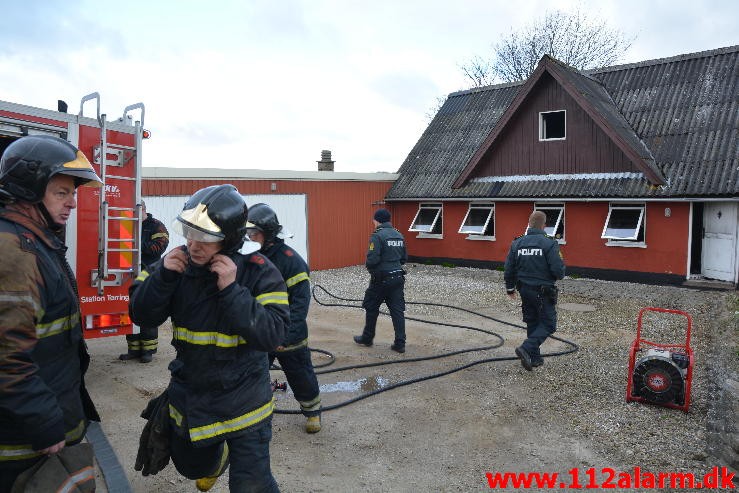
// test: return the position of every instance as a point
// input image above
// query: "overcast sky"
(265, 84)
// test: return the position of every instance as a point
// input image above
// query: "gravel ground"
(445, 434)
(587, 389)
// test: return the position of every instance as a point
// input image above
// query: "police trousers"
(388, 289)
(539, 309)
(301, 376)
(247, 455)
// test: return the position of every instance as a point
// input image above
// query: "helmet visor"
(195, 224)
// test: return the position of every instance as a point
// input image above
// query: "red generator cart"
(103, 233)
(660, 373)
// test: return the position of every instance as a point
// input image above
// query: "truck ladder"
(105, 275)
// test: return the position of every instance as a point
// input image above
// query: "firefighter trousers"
(146, 341)
(246, 455)
(298, 368)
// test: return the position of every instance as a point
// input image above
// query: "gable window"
(552, 125)
(479, 223)
(428, 219)
(625, 225)
(555, 225)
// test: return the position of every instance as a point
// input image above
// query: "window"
(555, 225)
(428, 219)
(624, 224)
(479, 221)
(552, 125)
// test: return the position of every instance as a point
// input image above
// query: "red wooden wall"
(666, 249)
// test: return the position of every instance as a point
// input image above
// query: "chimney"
(325, 164)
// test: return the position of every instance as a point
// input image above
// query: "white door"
(291, 211)
(718, 259)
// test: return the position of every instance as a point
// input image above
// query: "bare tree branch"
(576, 39)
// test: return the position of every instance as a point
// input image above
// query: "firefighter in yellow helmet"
(44, 405)
(228, 310)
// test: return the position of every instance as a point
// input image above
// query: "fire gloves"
(153, 454)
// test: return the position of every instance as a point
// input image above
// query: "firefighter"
(385, 257)
(154, 242)
(293, 354)
(44, 405)
(228, 310)
(533, 265)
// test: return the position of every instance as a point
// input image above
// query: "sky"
(264, 84)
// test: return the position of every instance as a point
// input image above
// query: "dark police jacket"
(220, 377)
(297, 278)
(533, 259)
(386, 251)
(43, 357)
(154, 240)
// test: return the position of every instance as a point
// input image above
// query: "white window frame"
(548, 206)
(474, 232)
(543, 126)
(630, 240)
(425, 230)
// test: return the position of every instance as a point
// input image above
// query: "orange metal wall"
(339, 212)
(666, 237)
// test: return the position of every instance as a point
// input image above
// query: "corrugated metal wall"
(339, 213)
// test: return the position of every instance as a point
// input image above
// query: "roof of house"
(676, 118)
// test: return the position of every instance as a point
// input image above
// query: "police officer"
(293, 354)
(385, 257)
(228, 310)
(533, 265)
(154, 241)
(44, 405)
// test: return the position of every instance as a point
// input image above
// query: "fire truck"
(104, 233)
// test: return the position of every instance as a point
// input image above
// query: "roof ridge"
(613, 68)
(659, 61)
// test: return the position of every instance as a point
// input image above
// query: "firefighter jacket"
(533, 259)
(386, 252)
(154, 240)
(297, 278)
(43, 357)
(220, 382)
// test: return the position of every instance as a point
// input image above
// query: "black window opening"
(479, 221)
(428, 219)
(625, 223)
(555, 225)
(552, 125)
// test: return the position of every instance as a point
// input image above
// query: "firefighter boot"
(313, 424)
(205, 484)
(130, 355)
(146, 357)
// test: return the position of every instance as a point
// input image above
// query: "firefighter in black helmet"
(44, 405)
(228, 310)
(293, 354)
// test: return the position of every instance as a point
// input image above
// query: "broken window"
(552, 125)
(480, 220)
(625, 223)
(428, 219)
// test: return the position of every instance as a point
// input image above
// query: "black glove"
(153, 454)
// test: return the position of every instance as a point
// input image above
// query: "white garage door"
(291, 211)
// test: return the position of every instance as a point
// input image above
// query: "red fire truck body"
(103, 233)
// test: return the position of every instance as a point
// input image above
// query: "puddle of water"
(363, 384)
